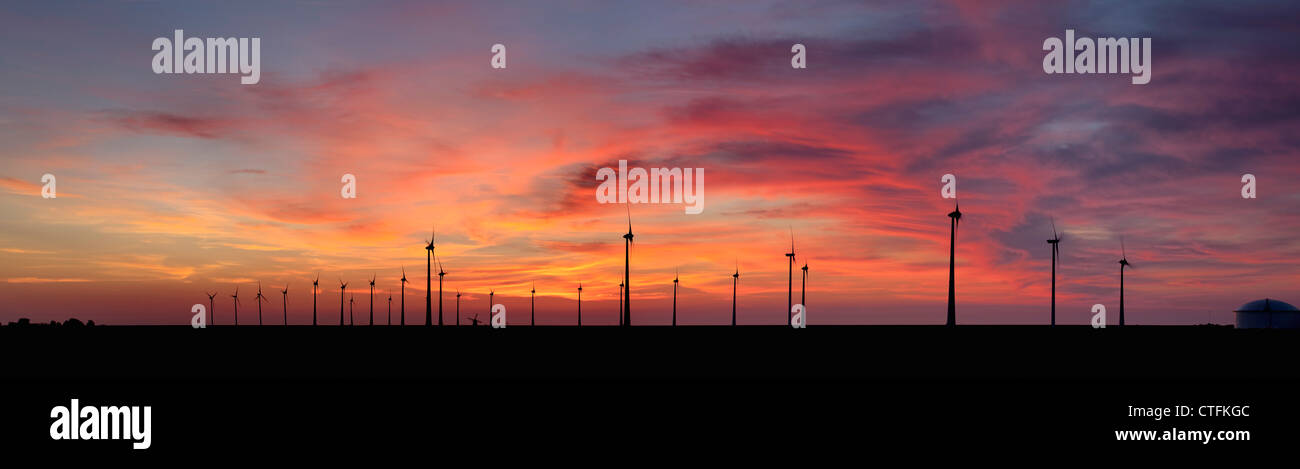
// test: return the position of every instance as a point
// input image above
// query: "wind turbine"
(212, 314)
(579, 304)
(372, 299)
(955, 215)
(735, 280)
(403, 295)
(343, 290)
(789, 292)
(441, 273)
(428, 279)
(803, 287)
(532, 306)
(675, 276)
(352, 318)
(236, 297)
(491, 295)
(259, 299)
(315, 288)
(390, 307)
(284, 298)
(626, 319)
(1056, 253)
(620, 303)
(457, 306)
(1123, 262)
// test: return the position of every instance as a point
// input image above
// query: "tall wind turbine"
(372, 299)
(390, 307)
(441, 273)
(675, 276)
(1123, 262)
(491, 295)
(579, 304)
(343, 291)
(1056, 253)
(236, 297)
(315, 288)
(735, 280)
(532, 306)
(259, 299)
(428, 279)
(789, 292)
(627, 272)
(803, 287)
(457, 306)
(284, 298)
(403, 295)
(212, 315)
(955, 215)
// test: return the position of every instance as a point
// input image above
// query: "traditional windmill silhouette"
(343, 291)
(284, 298)
(789, 292)
(579, 304)
(735, 280)
(212, 313)
(675, 276)
(315, 289)
(1123, 262)
(457, 306)
(532, 306)
(403, 295)
(372, 299)
(1056, 253)
(441, 274)
(259, 299)
(428, 279)
(955, 215)
(236, 297)
(626, 318)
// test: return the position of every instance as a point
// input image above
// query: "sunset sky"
(172, 185)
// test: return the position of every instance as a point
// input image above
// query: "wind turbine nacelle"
(798, 318)
(498, 316)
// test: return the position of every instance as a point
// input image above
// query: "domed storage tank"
(1268, 313)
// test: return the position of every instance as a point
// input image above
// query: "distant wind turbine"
(735, 280)
(457, 306)
(441, 274)
(212, 310)
(803, 287)
(620, 303)
(1123, 262)
(403, 295)
(315, 289)
(579, 304)
(259, 299)
(236, 297)
(626, 319)
(532, 306)
(675, 276)
(789, 292)
(343, 291)
(428, 279)
(284, 298)
(372, 299)
(390, 307)
(352, 318)
(955, 215)
(1056, 253)
(491, 295)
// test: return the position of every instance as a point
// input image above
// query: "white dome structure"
(1268, 313)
